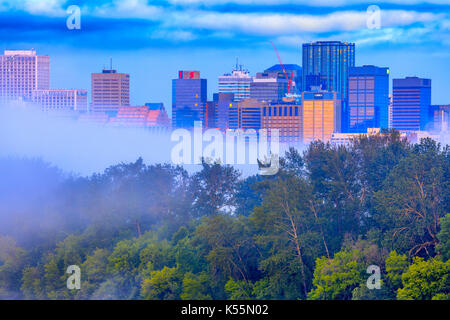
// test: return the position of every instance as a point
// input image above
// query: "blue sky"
(152, 40)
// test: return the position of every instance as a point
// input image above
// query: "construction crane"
(284, 70)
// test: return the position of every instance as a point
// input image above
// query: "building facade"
(411, 103)
(293, 71)
(246, 114)
(368, 98)
(148, 116)
(110, 90)
(284, 117)
(237, 83)
(349, 138)
(270, 87)
(22, 72)
(320, 116)
(189, 96)
(223, 102)
(441, 118)
(326, 64)
(61, 100)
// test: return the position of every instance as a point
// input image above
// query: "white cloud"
(289, 24)
(43, 7)
(318, 3)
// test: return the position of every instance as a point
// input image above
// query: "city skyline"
(243, 29)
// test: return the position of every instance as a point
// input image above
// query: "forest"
(310, 232)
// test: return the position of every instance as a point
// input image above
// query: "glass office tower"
(189, 95)
(368, 98)
(326, 64)
(411, 104)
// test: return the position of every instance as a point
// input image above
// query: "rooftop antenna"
(110, 63)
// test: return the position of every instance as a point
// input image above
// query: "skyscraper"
(326, 64)
(269, 87)
(411, 104)
(238, 83)
(21, 72)
(110, 90)
(321, 115)
(189, 96)
(368, 98)
(223, 102)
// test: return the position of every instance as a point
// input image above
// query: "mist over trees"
(310, 232)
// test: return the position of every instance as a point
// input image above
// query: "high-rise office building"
(293, 72)
(21, 72)
(368, 98)
(61, 100)
(284, 117)
(269, 87)
(238, 83)
(208, 114)
(223, 102)
(411, 104)
(189, 96)
(326, 64)
(320, 116)
(110, 90)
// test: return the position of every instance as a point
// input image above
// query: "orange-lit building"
(142, 116)
(284, 117)
(320, 116)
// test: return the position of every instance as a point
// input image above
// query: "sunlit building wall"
(320, 116)
(110, 90)
(284, 117)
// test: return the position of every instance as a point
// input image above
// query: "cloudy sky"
(152, 40)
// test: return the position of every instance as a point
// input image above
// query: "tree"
(426, 280)
(444, 238)
(345, 276)
(396, 265)
(289, 231)
(228, 247)
(238, 290)
(196, 287)
(214, 189)
(412, 200)
(161, 285)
